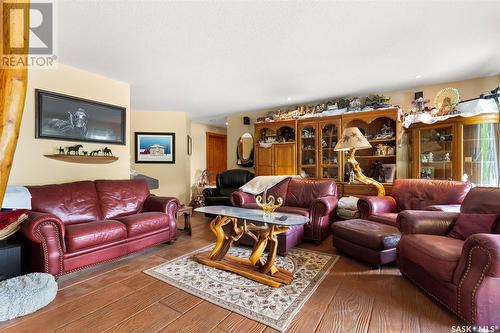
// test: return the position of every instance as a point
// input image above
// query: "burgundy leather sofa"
(77, 225)
(413, 194)
(315, 199)
(464, 275)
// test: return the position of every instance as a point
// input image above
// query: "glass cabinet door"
(436, 153)
(480, 163)
(329, 158)
(308, 148)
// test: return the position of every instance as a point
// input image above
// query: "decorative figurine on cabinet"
(61, 150)
(95, 152)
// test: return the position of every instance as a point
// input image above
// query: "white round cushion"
(26, 294)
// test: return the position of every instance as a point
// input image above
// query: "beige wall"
(30, 166)
(199, 155)
(174, 178)
(468, 89)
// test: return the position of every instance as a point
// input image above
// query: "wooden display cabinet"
(316, 155)
(434, 149)
(329, 160)
(308, 149)
(384, 150)
(458, 149)
(281, 156)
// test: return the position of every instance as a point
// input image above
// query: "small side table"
(187, 211)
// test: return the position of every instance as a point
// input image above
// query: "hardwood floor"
(118, 297)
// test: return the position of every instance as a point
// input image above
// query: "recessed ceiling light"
(226, 123)
(289, 98)
(419, 76)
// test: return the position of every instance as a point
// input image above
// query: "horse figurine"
(85, 153)
(61, 150)
(107, 152)
(95, 152)
(75, 149)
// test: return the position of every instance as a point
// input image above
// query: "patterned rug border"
(320, 276)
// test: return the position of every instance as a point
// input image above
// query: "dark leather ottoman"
(371, 242)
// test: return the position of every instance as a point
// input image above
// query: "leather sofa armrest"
(31, 227)
(477, 279)
(240, 198)
(210, 192)
(444, 208)
(168, 205)
(376, 205)
(46, 232)
(324, 206)
(425, 222)
(483, 252)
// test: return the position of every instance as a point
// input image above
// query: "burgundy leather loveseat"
(77, 225)
(462, 274)
(315, 199)
(415, 194)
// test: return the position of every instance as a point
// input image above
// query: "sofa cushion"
(385, 218)
(417, 194)
(71, 202)
(482, 200)
(301, 192)
(372, 235)
(90, 234)
(437, 255)
(144, 223)
(121, 197)
(470, 224)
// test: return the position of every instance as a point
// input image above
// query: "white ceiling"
(212, 58)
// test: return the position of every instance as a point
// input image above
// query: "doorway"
(216, 155)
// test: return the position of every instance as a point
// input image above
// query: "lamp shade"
(352, 138)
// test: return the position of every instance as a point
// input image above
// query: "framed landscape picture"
(71, 118)
(154, 147)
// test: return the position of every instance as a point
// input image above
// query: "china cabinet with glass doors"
(459, 148)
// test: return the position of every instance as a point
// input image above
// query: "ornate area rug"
(274, 307)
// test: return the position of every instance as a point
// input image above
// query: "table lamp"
(351, 140)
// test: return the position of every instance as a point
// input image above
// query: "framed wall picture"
(389, 172)
(154, 147)
(63, 117)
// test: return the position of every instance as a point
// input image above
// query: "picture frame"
(389, 172)
(154, 147)
(427, 173)
(70, 118)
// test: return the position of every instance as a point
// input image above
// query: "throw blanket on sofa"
(260, 184)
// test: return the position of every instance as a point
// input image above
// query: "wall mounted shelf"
(83, 159)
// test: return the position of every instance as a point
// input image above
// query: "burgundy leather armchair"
(413, 194)
(464, 275)
(76, 225)
(315, 199)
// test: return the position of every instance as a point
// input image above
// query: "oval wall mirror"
(245, 150)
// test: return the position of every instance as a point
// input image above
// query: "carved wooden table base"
(255, 267)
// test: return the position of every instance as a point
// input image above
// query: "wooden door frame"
(207, 136)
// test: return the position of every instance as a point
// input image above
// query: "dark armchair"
(227, 182)
(463, 274)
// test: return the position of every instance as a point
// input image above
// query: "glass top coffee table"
(240, 223)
